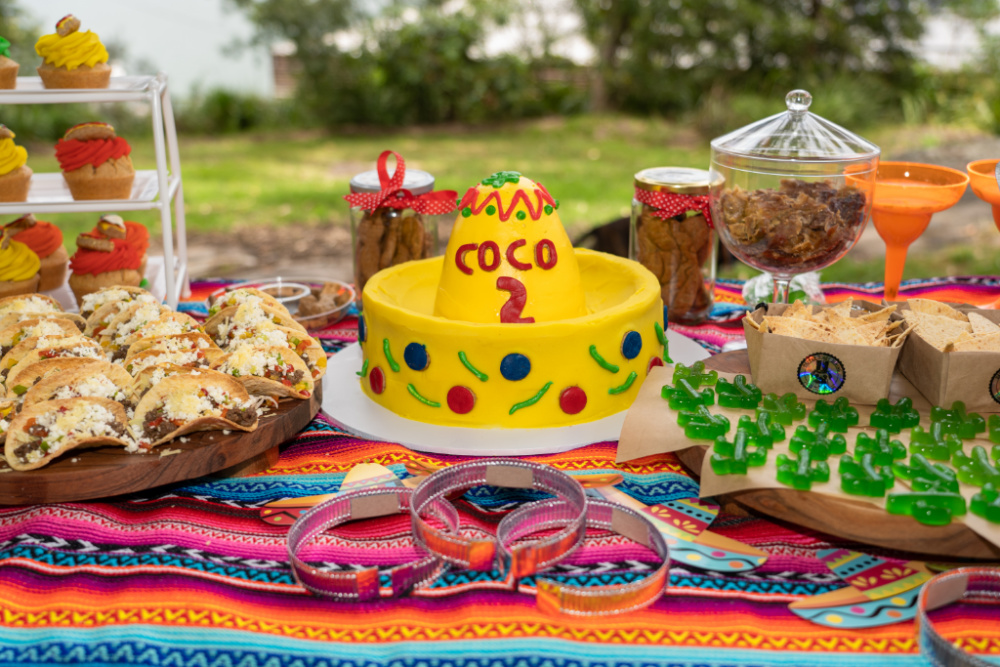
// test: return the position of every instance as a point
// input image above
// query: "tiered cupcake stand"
(153, 189)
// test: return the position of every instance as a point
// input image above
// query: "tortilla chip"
(988, 342)
(786, 326)
(798, 310)
(842, 308)
(878, 315)
(981, 325)
(937, 330)
(930, 307)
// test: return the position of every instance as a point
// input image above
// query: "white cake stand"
(344, 401)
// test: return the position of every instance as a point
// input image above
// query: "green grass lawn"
(587, 162)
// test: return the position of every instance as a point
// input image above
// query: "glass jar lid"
(416, 181)
(796, 134)
(678, 180)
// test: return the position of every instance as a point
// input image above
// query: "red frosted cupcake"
(95, 162)
(102, 262)
(46, 241)
(133, 233)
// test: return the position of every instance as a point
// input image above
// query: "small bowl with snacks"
(314, 302)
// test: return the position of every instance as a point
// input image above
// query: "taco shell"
(193, 357)
(249, 364)
(9, 319)
(112, 295)
(192, 402)
(34, 373)
(301, 344)
(233, 316)
(240, 295)
(67, 424)
(102, 379)
(33, 327)
(29, 303)
(150, 376)
(72, 346)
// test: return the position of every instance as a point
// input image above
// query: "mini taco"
(189, 402)
(29, 303)
(193, 357)
(16, 317)
(45, 430)
(72, 346)
(55, 346)
(151, 376)
(33, 328)
(99, 320)
(115, 294)
(143, 320)
(19, 383)
(227, 324)
(305, 346)
(195, 340)
(100, 380)
(7, 412)
(241, 295)
(269, 371)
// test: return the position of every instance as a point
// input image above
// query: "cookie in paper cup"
(845, 350)
(185, 403)
(43, 431)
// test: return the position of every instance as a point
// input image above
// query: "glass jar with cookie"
(394, 218)
(672, 236)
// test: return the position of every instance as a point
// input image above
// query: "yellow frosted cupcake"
(73, 59)
(8, 68)
(15, 175)
(18, 268)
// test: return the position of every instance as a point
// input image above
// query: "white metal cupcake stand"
(153, 189)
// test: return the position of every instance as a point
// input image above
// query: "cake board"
(854, 520)
(346, 403)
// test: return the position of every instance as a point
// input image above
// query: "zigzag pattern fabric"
(189, 575)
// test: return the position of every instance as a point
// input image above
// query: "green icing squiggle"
(472, 369)
(601, 361)
(364, 370)
(625, 385)
(393, 364)
(662, 337)
(416, 394)
(531, 401)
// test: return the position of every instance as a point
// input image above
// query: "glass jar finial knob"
(798, 101)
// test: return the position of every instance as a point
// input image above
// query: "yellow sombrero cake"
(513, 327)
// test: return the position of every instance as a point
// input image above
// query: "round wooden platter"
(87, 474)
(850, 519)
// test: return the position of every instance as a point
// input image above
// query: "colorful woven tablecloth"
(189, 575)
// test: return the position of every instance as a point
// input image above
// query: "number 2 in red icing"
(510, 313)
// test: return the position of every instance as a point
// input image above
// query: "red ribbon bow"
(394, 195)
(669, 205)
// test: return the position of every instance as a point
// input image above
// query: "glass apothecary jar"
(671, 235)
(392, 223)
(795, 191)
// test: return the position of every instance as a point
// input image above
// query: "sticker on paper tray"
(822, 373)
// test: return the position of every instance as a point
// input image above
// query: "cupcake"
(15, 175)
(101, 262)
(45, 240)
(8, 68)
(73, 59)
(18, 268)
(134, 234)
(95, 162)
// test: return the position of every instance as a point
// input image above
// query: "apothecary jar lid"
(796, 134)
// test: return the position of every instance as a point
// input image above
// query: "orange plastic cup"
(907, 194)
(982, 179)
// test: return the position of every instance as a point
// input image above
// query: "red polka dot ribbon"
(394, 195)
(669, 205)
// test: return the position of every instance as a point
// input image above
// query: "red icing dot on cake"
(655, 361)
(376, 379)
(572, 400)
(461, 400)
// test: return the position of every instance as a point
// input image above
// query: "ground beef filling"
(120, 353)
(242, 416)
(39, 432)
(155, 425)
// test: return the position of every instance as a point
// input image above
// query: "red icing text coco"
(488, 256)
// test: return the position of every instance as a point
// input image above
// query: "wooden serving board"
(853, 520)
(86, 474)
